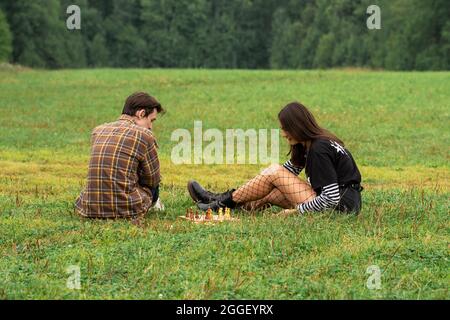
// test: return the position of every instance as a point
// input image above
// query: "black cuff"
(155, 194)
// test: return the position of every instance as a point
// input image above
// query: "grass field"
(395, 124)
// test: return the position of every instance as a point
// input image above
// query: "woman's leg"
(275, 198)
(293, 189)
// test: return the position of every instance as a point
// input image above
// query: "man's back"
(123, 169)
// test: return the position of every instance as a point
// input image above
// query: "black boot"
(225, 202)
(199, 194)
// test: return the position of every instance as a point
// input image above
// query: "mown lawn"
(395, 124)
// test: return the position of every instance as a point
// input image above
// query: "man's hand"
(159, 206)
(287, 213)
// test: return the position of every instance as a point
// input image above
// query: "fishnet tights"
(274, 186)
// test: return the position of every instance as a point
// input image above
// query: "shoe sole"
(192, 192)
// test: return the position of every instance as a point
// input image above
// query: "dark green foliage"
(249, 34)
(5, 39)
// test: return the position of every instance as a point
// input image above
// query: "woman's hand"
(287, 213)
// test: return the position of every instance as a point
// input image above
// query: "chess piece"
(227, 213)
(208, 214)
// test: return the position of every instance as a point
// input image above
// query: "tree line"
(250, 34)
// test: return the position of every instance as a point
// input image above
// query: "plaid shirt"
(124, 166)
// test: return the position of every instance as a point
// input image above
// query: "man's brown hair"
(141, 101)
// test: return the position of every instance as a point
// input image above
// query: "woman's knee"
(272, 170)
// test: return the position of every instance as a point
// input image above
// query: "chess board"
(214, 219)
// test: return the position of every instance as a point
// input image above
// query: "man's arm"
(149, 174)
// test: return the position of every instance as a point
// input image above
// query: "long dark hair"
(299, 122)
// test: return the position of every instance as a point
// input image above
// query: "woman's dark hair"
(141, 101)
(299, 122)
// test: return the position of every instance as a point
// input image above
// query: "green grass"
(395, 124)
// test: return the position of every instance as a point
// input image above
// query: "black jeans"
(350, 200)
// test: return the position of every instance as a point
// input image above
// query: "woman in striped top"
(333, 176)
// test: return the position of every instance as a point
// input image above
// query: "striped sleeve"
(292, 168)
(328, 199)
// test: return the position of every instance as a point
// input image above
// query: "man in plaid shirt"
(124, 173)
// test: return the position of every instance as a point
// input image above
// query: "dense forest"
(250, 34)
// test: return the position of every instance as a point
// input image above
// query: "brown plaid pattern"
(124, 166)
